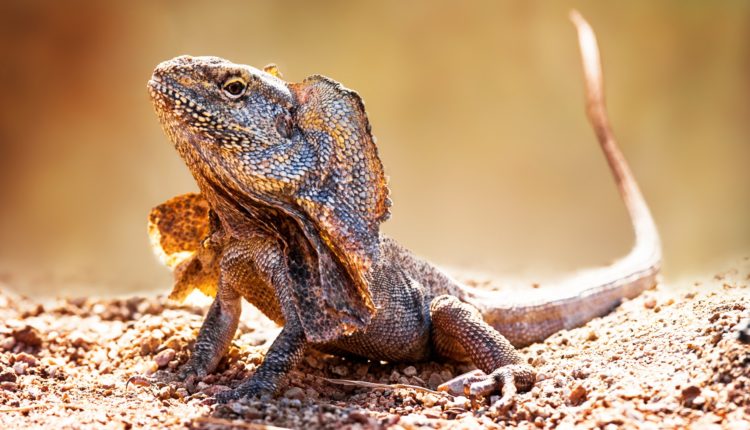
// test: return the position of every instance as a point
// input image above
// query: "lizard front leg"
(459, 330)
(264, 258)
(223, 317)
(215, 334)
(283, 355)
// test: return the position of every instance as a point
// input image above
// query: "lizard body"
(292, 193)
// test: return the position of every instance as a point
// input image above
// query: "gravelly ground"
(669, 359)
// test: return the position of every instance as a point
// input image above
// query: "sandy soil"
(669, 359)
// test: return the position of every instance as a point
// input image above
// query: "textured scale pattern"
(293, 193)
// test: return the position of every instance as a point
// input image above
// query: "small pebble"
(163, 358)
(578, 395)
(8, 386)
(20, 367)
(359, 416)
(340, 370)
(148, 345)
(150, 368)
(181, 392)
(310, 393)
(295, 393)
(28, 335)
(649, 302)
(28, 359)
(165, 392)
(434, 381)
(429, 400)
(459, 402)
(8, 343)
(107, 382)
(78, 339)
(689, 394)
(8, 377)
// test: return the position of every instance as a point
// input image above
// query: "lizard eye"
(284, 126)
(234, 88)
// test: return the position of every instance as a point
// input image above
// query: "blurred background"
(477, 107)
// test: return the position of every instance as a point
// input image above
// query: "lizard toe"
(506, 379)
(460, 385)
(227, 396)
(249, 389)
(191, 375)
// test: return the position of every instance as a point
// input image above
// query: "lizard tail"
(596, 292)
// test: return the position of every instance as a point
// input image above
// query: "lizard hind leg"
(458, 331)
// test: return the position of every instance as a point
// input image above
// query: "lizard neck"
(243, 220)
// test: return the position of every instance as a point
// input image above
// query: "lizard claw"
(191, 374)
(460, 385)
(209, 401)
(249, 389)
(507, 381)
(227, 396)
(477, 383)
(237, 394)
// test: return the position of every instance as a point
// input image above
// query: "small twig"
(23, 409)
(142, 381)
(236, 423)
(138, 381)
(379, 386)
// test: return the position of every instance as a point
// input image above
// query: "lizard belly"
(399, 330)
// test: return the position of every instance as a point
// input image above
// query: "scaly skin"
(297, 192)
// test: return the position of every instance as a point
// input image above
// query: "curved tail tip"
(576, 17)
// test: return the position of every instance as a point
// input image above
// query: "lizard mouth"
(176, 110)
(164, 96)
(177, 114)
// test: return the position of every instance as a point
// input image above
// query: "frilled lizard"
(292, 195)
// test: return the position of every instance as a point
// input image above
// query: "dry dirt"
(670, 358)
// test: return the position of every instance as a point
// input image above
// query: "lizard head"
(304, 148)
(230, 122)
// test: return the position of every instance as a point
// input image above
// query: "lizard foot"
(248, 389)
(506, 379)
(191, 374)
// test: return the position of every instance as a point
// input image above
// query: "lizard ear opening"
(348, 198)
